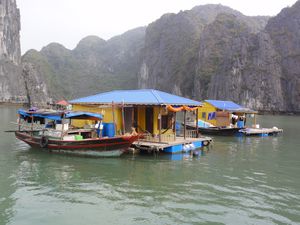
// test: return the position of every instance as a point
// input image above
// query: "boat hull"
(217, 130)
(113, 146)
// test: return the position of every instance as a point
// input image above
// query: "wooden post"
(159, 126)
(100, 128)
(174, 126)
(197, 127)
(254, 120)
(31, 125)
(113, 115)
(19, 122)
(123, 119)
(62, 129)
(184, 125)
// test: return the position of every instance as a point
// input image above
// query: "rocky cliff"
(172, 46)
(284, 30)
(215, 52)
(11, 88)
(34, 82)
(238, 65)
(19, 83)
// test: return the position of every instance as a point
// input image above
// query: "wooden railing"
(169, 137)
(191, 134)
(188, 134)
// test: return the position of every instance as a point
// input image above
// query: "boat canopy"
(59, 115)
(83, 115)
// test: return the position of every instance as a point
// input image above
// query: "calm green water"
(236, 181)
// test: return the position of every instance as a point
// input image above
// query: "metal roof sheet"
(230, 106)
(224, 105)
(138, 97)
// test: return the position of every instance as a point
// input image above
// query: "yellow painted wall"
(105, 111)
(141, 117)
(207, 108)
(155, 120)
(108, 118)
(163, 111)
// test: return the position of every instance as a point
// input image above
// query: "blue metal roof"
(230, 106)
(224, 105)
(138, 97)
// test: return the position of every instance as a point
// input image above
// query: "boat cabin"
(57, 124)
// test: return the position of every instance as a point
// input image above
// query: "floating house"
(146, 111)
(218, 117)
(219, 113)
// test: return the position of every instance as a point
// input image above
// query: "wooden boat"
(219, 131)
(83, 141)
(213, 130)
(234, 131)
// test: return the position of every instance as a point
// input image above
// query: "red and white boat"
(62, 138)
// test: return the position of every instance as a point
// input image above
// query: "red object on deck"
(62, 102)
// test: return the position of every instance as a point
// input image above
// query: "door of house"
(149, 119)
(128, 119)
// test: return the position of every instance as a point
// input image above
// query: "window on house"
(204, 115)
(166, 121)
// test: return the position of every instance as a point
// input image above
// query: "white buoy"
(192, 146)
(186, 148)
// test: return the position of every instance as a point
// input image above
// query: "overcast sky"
(68, 21)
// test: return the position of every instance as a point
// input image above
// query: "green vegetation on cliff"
(93, 66)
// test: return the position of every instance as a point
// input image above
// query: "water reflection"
(91, 184)
(7, 167)
(151, 187)
(192, 155)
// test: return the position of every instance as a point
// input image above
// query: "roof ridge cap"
(158, 98)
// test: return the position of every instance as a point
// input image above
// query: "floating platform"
(235, 131)
(179, 145)
(261, 131)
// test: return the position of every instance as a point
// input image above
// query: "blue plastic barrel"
(108, 129)
(178, 128)
(178, 125)
(104, 131)
(240, 124)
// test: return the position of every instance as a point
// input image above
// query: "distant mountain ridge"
(208, 52)
(95, 65)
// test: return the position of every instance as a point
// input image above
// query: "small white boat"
(261, 131)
